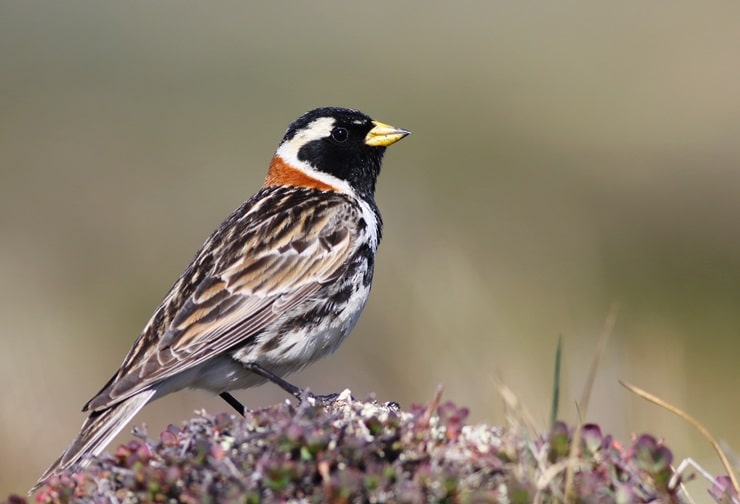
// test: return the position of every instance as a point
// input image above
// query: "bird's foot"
(322, 399)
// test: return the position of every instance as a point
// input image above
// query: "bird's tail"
(97, 432)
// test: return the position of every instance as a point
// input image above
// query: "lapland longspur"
(279, 284)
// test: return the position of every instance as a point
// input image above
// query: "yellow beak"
(383, 135)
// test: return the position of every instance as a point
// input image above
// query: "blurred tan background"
(565, 156)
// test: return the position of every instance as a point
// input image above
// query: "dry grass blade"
(433, 405)
(517, 415)
(698, 426)
(611, 319)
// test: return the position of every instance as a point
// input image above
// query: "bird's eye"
(340, 134)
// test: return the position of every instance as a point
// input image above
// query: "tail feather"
(97, 432)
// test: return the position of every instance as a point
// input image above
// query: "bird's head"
(333, 149)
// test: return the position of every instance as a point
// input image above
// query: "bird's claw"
(321, 399)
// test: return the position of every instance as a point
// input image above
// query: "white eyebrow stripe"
(288, 152)
(317, 129)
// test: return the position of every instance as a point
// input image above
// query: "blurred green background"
(565, 156)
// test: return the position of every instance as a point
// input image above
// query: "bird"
(278, 285)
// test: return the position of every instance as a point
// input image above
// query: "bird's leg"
(233, 402)
(291, 389)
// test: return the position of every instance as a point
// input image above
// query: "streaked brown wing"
(282, 263)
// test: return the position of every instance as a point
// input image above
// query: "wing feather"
(237, 299)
